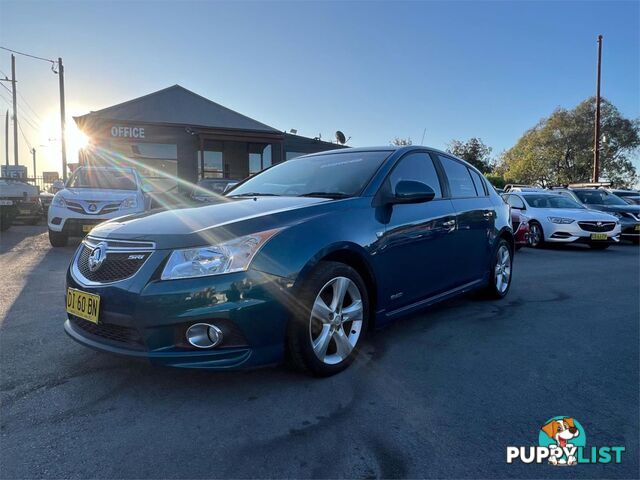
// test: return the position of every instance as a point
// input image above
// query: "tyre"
(599, 246)
(58, 239)
(326, 329)
(536, 235)
(501, 269)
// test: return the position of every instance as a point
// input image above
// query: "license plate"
(598, 236)
(87, 228)
(24, 211)
(82, 304)
(637, 228)
(6, 203)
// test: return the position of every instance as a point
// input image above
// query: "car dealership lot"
(438, 395)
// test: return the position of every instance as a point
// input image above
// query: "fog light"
(204, 335)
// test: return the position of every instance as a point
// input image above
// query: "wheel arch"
(354, 256)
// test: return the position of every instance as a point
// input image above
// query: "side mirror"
(409, 191)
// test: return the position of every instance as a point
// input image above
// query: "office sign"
(121, 131)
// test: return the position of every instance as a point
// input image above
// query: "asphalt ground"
(438, 395)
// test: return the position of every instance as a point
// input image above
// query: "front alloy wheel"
(335, 322)
(329, 318)
(536, 237)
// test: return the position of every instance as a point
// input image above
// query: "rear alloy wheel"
(536, 235)
(501, 269)
(324, 336)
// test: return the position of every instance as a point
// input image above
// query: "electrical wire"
(29, 55)
(24, 137)
(30, 107)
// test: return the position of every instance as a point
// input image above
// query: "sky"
(374, 70)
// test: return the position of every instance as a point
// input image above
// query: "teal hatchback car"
(298, 262)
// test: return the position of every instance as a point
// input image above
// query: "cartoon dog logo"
(561, 430)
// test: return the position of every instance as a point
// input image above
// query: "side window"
(479, 184)
(419, 168)
(515, 201)
(460, 181)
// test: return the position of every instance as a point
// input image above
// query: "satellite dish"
(340, 138)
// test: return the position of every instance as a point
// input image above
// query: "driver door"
(416, 246)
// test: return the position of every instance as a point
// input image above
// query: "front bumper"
(148, 320)
(61, 219)
(572, 232)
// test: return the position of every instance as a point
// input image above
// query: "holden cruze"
(297, 262)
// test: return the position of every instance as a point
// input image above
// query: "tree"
(401, 142)
(559, 149)
(473, 151)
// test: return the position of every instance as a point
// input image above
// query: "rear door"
(475, 217)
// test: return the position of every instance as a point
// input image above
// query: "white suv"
(91, 196)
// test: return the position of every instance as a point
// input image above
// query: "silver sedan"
(554, 218)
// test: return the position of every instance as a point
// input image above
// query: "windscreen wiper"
(325, 194)
(254, 194)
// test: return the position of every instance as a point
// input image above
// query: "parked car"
(211, 189)
(301, 261)
(600, 199)
(20, 202)
(555, 218)
(91, 196)
(632, 197)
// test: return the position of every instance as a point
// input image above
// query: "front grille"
(115, 333)
(594, 227)
(116, 265)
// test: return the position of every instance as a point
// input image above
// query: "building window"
(211, 160)
(157, 163)
(259, 157)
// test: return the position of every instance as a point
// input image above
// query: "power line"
(24, 137)
(29, 55)
(30, 107)
(6, 88)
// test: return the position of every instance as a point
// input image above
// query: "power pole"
(6, 137)
(33, 152)
(596, 140)
(15, 110)
(62, 119)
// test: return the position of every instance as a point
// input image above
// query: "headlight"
(129, 203)
(232, 256)
(58, 201)
(561, 220)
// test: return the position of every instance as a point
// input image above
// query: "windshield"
(599, 197)
(550, 201)
(331, 175)
(103, 178)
